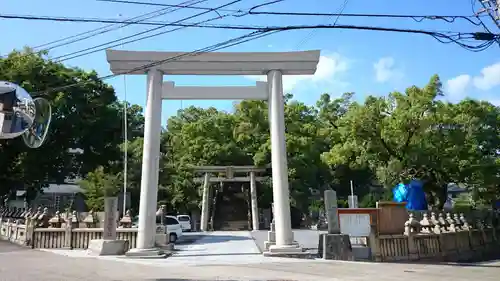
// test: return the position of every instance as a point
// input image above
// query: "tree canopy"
(376, 142)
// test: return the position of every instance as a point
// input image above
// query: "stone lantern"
(90, 220)
(56, 221)
(126, 221)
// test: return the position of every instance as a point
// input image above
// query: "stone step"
(234, 225)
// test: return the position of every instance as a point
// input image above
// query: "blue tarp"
(412, 193)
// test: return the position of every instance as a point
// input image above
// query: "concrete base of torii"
(273, 250)
(153, 253)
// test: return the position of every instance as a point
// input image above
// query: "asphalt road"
(7, 247)
(22, 264)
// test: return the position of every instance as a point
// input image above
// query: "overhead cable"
(418, 18)
(119, 42)
(169, 5)
(251, 11)
(115, 21)
(311, 34)
(111, 27)
(444, 37)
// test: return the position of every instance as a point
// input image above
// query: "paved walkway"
(18, 263)
(305, 237)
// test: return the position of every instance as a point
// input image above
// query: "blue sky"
(365, 62)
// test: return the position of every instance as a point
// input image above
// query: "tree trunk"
(442, 196)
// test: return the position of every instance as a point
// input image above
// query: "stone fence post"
(412, 228)
(30, 231)
(374, 244)
(71, 223)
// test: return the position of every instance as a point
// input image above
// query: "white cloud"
(456, 86)
(486, 80)
(489, 77)
(328, 68)
(385, 70)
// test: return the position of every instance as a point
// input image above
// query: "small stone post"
(71, 222)
(30, 230)
(271, 234)
(334, 245)
(412, 228)
(374, 244)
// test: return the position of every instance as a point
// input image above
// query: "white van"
(185, 222)
(171, 227)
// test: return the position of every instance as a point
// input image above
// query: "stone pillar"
(332, 213)
(334, 245)
(110, 218)
(253, 201)
(150, 162)
(284, 234)
(205, 207)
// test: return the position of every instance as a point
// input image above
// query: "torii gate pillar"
(274, 65)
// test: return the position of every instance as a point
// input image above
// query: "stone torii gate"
(229, 172)
(274, 65)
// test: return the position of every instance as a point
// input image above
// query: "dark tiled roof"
(62, 188)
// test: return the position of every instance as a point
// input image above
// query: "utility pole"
(492, 8)
(125, 138)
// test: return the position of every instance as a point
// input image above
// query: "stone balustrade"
(434, 236)
(440, 237)
(37, 229)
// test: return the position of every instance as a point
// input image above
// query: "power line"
(170, 5)
(116, 21)
(417, 18)
(92, 50)
(250, 11)
(451, 37)
(130, 22)
(311, 34)
(111, 27)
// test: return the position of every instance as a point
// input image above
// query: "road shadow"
(218, 254)
(218, 279)
(8, 247)
(212, 239)
(482, 263)
(189, 239)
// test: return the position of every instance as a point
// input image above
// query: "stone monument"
(334, 245)
(108, 245)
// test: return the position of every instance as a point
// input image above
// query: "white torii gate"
(229, 177)
(274, 65)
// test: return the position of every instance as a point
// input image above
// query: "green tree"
(97, 185)
(414, 135)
